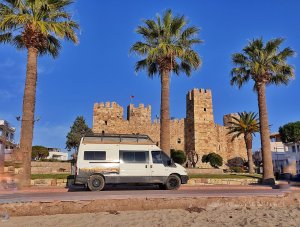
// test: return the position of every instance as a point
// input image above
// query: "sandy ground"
(212, 216)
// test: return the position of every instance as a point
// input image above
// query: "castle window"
(105, 122)
(103, 132)
(179, 141)
(204, 109)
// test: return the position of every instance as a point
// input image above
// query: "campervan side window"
(94, 155)
(134, 156)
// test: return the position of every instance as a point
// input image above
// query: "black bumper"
(184, 179)
(80, 179)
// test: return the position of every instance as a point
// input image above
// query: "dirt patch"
(213, 216)
(104, 205)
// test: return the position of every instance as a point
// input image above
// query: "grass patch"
(226, 176)
(51, 176)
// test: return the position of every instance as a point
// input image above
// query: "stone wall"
(197, 131)
(229, 181)
(108, 118)
(194, 171)
(49, 182)
(50, 167)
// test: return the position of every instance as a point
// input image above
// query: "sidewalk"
(53, 189)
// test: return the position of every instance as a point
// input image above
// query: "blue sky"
(100, 68)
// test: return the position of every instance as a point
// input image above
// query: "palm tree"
(265, 64)
(34, 25)
(167, 46)
(246, 124)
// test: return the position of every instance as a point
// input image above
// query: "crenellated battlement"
(139, 114)
(106, 105)
(197, 93)
(176, 121)
(105, 115)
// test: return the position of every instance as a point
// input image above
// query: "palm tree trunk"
(28, 114)
(250, 161)
(248, 141)
(1, 159)
(268, 175)
(165, 112)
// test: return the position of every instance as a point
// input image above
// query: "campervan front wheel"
(96, 183)
(173, 182)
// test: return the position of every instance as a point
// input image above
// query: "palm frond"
(265, 64)
(246, 123)
(37, 24)
(6, 37)
(167, 44)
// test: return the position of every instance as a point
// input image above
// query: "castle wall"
(197, 131)
(108, 118)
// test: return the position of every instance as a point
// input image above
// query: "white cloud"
(44, 70)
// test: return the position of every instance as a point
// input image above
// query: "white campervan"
(114, 159)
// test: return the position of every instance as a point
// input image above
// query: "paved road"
(79, 194)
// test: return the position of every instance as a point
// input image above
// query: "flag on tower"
(131, 97)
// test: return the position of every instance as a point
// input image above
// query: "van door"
(134, 166)
(159, 167)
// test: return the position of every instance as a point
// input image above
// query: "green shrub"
(237, 165)
(237, 169)
(213, 159)
(178, 156)
(39, 152)
(290, 133)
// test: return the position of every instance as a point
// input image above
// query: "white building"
(55, 153)
(7, 134)
(294, 153)
(7, 144)
(283, 154)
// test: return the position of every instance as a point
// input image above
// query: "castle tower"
(107, 117)
(200, 133)
(139, 115)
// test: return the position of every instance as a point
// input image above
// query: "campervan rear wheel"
(96, 183)
(173, 182)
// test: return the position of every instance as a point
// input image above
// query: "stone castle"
(197, 132)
